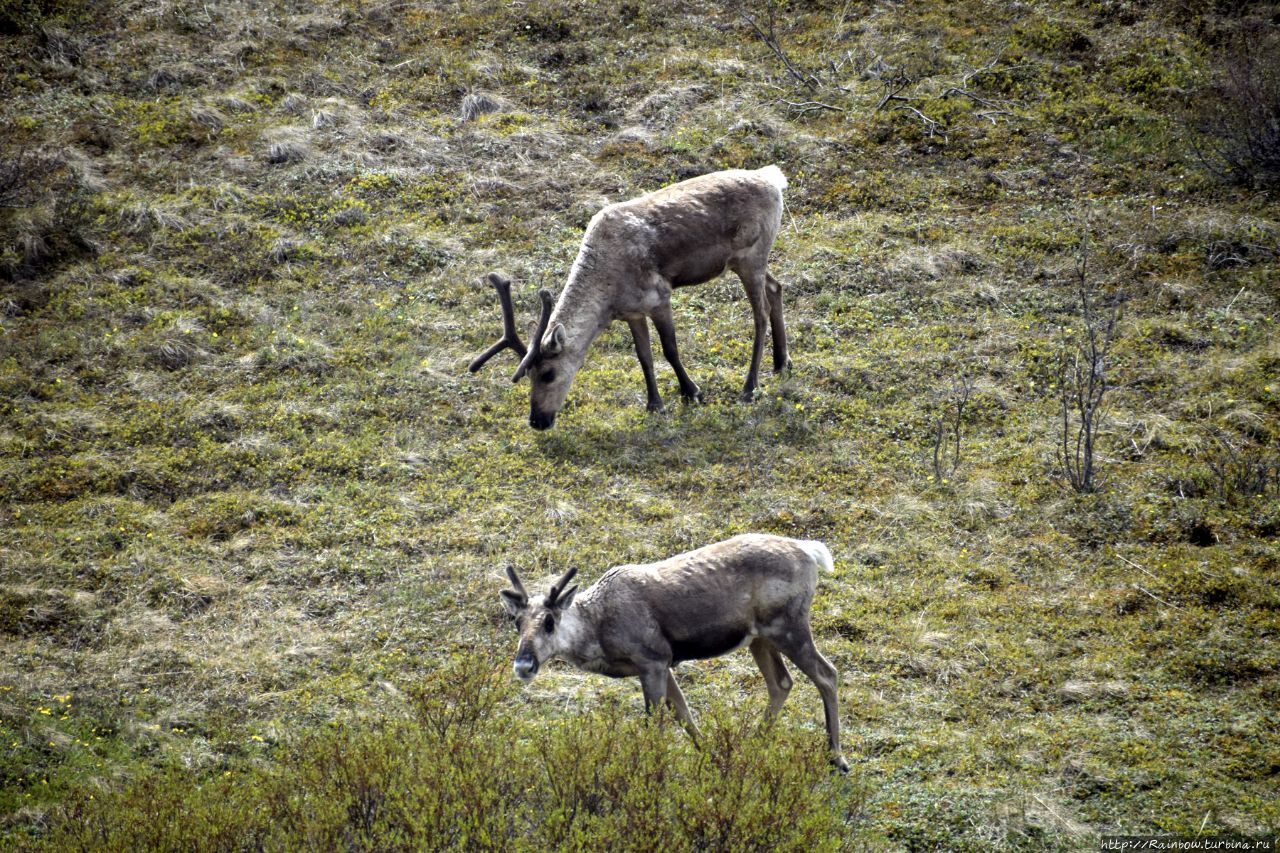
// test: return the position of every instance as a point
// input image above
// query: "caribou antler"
(535, 343)
(516, 595)
(509, 336)
(558, 588)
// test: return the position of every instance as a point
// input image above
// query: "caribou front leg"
(640, 334)
(653, 683)
(676, 699)
(666, 327)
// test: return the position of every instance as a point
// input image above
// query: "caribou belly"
(710, 643)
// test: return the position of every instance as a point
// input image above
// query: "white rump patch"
(820, 554)
(773, 175)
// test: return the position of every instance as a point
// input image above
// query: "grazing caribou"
(643, 620)
(633, 255)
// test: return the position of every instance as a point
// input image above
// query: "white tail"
(820, 553)
(773, 175)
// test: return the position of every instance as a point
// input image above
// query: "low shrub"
(470, 768)
(1238, 115)
(21, 16)
(46, 209)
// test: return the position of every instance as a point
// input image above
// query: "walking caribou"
(643, 620)
(633, 255)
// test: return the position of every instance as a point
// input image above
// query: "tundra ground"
(254, 511)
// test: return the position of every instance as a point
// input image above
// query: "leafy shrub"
(19, 16)
(1238, 119)
(221, 515)
(1232, 469)
(469, 770)
(45, 211)
(1241, 470)
(35, 612)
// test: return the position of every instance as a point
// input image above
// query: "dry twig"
(769, 35)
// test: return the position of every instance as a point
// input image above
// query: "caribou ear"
(553, 344)
(514, 601)
(564, 599)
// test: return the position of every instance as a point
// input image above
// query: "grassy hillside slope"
(253, 509)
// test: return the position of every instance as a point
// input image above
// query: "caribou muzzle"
(525, 666)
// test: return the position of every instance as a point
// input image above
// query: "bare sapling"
(1083, 381)
(948, 428)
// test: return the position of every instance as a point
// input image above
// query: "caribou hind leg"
(754, 279)
(805, 655)
(781, 360)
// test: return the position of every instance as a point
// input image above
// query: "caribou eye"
(549, 624)
(548, 375)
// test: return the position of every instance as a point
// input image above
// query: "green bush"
(467, 769)
(1238, 118)
(19, 16)
(46, 212)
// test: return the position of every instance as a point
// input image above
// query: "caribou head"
(541, 361)
(539, 620)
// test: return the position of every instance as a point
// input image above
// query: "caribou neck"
(584, 308)
(578, 637)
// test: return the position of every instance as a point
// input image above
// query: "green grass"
(254, 511)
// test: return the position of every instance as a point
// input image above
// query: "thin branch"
(931, 126)
(770, 38)
(956, 90)
(811, 106)
(892, 89)
(1155, 597)
(891, 93)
